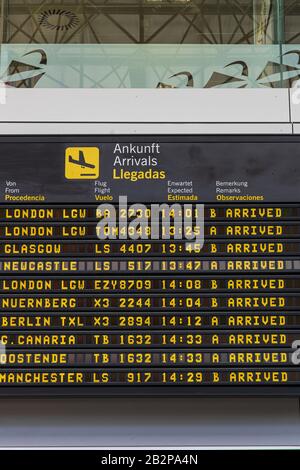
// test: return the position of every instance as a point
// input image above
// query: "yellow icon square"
(82, 163)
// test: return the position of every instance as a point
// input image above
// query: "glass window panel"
(138, 21)
(292, 21)
(150, 43)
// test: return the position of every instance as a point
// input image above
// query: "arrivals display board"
(149, 265)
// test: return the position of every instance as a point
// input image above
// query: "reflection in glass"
(150, 43)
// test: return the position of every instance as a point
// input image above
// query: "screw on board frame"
(158, 224)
